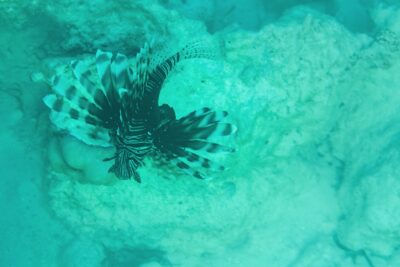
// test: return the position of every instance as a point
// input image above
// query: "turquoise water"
(312, 86)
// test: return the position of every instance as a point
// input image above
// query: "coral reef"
(293, 101)
(314, 181)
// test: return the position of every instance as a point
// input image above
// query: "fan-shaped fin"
(62, 105)
(89, 98)
(89, 134)
(140, 72)
(194, 114)
(119, 71)
(215, 129)
(204, 119)
(103, 65)
(194, 160)
(203, 124)
(82, 73)
(185, 140)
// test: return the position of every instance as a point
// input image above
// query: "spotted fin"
(192, 163)
(103, 66)
(140, 72)
(186, 141)
(119, 71)
(84, 97)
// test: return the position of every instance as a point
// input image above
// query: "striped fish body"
(95, 100)
(130, 149)
(112, 101)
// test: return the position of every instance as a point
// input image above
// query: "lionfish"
(112, 100)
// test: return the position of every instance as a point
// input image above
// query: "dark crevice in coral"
(353, 254)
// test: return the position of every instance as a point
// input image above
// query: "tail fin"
(186, 141)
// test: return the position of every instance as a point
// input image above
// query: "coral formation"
(314, 181)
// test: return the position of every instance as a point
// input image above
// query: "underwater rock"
(284, 83)
(322, 251)
(386, 17)
(354, 15)
(253, 15)
(15, 13)
(371, 220)
(91, 168)
(216, 15)
(370, 190)
(121, 26)
(289, 104)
